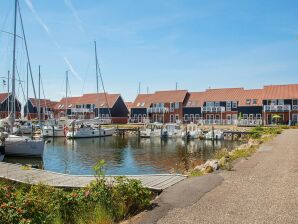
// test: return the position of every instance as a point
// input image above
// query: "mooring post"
(139, 134)
(53, 131)
(212, 132)
(72, 130)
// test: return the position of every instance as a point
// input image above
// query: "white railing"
(277, 108)
(214, 109)
(158, 110)
(81, 110)
(250, 122)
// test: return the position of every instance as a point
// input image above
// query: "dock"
(19, 173)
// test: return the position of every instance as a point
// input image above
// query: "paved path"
(15, 172)
(262, 189)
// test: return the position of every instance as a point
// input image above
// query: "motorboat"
(55, 128)
(88, 131)
(23, 146)
(171, 130)
(151, 130)
(214, 135)
(191, 132)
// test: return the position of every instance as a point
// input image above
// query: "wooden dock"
(19, 173)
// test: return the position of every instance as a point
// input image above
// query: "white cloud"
(47, 30)
(74, 12)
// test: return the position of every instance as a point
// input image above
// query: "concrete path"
(262, 189)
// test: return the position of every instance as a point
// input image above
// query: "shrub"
(221, 153)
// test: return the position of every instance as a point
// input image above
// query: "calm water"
(128, 155)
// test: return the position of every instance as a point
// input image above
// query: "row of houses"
(268, 105)
(271, 104)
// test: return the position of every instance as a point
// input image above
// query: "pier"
(22, 174)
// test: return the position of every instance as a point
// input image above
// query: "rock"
(214, 164)
(208, 169)
(200, 167)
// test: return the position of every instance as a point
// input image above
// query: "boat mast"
(39, 118)
(96, 73)
(8, 93)
(103, 87)
(27, 91)
(14, 65)
(66, 90)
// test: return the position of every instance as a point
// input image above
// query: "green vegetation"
(100, 202)
(258, 132)
(196, 173)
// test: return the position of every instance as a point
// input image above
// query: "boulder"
(214, 164)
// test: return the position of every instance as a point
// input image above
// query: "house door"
(229, 119)
(172, 118)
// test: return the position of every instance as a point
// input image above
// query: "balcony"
(213, 109)
(81, 110)
(277, 108)
(158, 110)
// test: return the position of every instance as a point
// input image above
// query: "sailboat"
(57, 128)
(19, 145)
(80, 129)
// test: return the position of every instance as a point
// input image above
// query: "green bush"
(100, 202)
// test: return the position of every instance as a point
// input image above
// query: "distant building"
(91, 105)
(5, 107)
(161, 106)
(46, 108)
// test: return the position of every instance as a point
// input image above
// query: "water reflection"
(128, 155)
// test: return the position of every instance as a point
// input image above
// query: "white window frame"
(177, 105)
(209, 104)
(254, 101)
(176, 117)
(197, 117)
(234, 104)
(172, 118)
(245, 116)
(258, 116)
(228, 106)
(217, 104)
(186, 117)
(192, 117)
(248, 101)
(251, 116)
(281, 102)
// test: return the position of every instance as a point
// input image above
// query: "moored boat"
(191, 132)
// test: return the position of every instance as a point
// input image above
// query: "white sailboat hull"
(23, 146)
(47, 131)
(90, 132)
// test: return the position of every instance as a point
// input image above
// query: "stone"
(214, 164)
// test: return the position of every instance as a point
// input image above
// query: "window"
(248, 101)
(272, 102)
(281, 102)
(191, 116)
(254, 101)
(177, 105)
(172, 118)
(228, 105)
(103, 116)
(245, 116)
(189, 103)
(185, 117)
(258, 116)
(209, 104)
(251, 116)
(217, 104)
(138, 104)
(176, 117)
(142, 104)
(295, 102)
(197, 117)
(234, 105)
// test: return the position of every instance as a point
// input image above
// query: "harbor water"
(125, 155)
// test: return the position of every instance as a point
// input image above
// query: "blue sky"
(198, 44)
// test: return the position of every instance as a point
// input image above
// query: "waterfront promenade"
(262, 189)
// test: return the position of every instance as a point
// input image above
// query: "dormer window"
(142, 104)
(138, 104)
(255, 101)
(248, 101)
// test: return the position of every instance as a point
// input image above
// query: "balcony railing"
(158, 110)
(214, 109)
(81, 110)
(277, 108)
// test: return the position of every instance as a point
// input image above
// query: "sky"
(198, 44)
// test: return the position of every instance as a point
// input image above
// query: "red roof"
(196, 99)
(128, 104)
(142, 101)
(168, 96)
(3, 96)
(43, 102)
(99, 99)
(281, 91)
(251, 97)
(71, 102)
(224, 94)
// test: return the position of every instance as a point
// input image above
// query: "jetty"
(23, 174)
